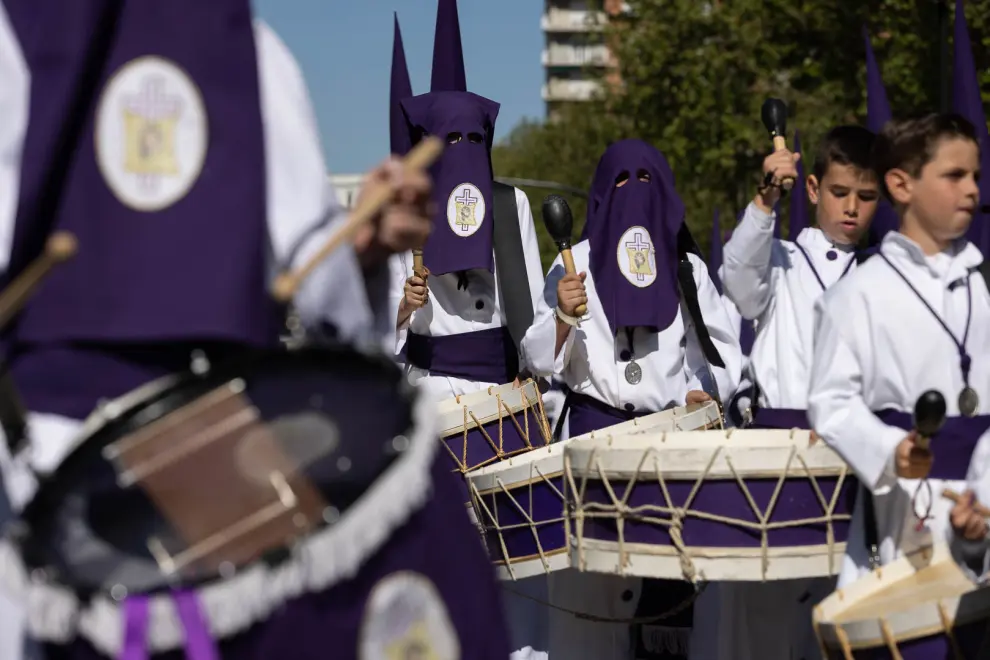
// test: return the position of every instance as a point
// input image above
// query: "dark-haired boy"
(915, 317)
(776, 283)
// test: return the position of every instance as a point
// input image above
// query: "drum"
(275, 507)
(730, 504)
(491, 425)
(920, 607)
(519, 502)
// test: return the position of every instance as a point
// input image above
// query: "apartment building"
(575, 52)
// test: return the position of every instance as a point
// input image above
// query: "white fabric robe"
(877, 347)
(589, 363)
(298, 196)
(453, 311)
(771, 282)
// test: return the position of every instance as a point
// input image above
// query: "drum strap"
(510, 263)
(13, 417)
(984, 269)
(870, 524)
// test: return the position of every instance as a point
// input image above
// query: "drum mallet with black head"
(774, 115)
(560, 223)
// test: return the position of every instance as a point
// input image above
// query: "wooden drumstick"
(950, 494)
(774, 115)
(419, 268)
(60, 247)
(560, 223)
(420, 158)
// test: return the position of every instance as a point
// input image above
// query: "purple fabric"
(136, 616)
(747, 335)
(483, 356)
(779, 418)
(400, 88)
(715, 254)
(199, 645)
(70, 379)
(657, 208)
(797, 500)
(480, 451)
(799, 198)
(953, 445)
(114, 288)
(542, 504)
(877, 114)
(467, 162)
(968, 102)
(972, 639)
(438, 542)
(588, 414)
(448, 55)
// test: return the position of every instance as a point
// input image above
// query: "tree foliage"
(694, 75)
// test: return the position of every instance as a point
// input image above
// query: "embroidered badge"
(465, 210)
(405, 619)
(151, 134)
(637, 257)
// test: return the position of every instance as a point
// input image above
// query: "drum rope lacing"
(620, 510)
(499, 447)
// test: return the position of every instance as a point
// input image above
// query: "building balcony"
(573, 20)
(569, 90)
(561, 55)
(347, 187)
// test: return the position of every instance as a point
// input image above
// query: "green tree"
(695, 74)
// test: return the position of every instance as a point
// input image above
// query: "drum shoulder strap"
(510, 262)
(984, 269)
(689, 294)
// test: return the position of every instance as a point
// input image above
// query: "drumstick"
(421, 157)
(559, 223)
(774, 115)
(950, 494)
(419, 269)
(60, 247)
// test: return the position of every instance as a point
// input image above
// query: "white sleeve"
(837, 409)
(747, 269)
(303, 210)
(537, 347)
(724, 336)
(531, 254)
(15, 94)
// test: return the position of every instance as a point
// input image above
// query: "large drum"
(519, 502)
(732, 504)
(921, 607)
(288, 504)
(492, 425)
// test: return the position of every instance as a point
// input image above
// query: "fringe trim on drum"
(230, 606)
(665, 640)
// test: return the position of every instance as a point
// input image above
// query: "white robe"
(298, 195)
(770, 281)
(877, 347)
(589, 363)
(453, 311)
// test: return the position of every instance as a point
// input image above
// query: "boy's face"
(946, 193)
(846, 200)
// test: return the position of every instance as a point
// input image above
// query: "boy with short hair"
(776, 283)
(915, 317)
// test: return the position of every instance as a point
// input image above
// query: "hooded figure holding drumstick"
(655, 335)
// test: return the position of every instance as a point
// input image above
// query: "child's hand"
(777, 166)
(966, 520)
(911, 461)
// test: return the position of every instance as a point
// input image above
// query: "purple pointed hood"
(400, 88)
(877, 114)
(448, 55)
(632, 230)
(799, 198)
(967, 102)
(462, 178)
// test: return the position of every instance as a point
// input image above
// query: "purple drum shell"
(480, 440)
(797, 500)
(973, 640)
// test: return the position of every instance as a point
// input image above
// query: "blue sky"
(345, 50)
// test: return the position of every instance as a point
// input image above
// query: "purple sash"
(780, 418)
(953, 446)
(483, 356)
(588, 414)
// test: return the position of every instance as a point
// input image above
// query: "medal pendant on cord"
(634, 373)
(969, 401)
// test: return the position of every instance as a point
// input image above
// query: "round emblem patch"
(465, 210)
(405, 619)
(637, 257)
(151, 134)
